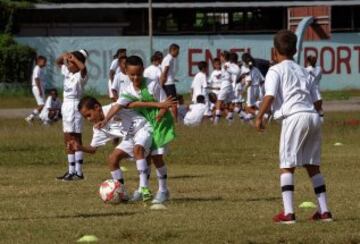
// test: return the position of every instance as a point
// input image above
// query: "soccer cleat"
(69, 177)
(78, 177)
(28, 120)
(324, 217)
(136, 196)
(145, 194)
(281, 218)
(63, 176)
(161, 197)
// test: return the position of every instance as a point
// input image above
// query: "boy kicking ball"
(295, 99)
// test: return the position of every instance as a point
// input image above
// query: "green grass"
(23, 99)
(224, 189)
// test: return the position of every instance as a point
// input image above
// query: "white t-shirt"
(256, 76)
(169, 61)
(215, 80)
(73, 84)
(195, 114)
(49, 104)
(114, 66)
(292, 87)
(152, 73)
(316, 72)
(119, 80)
(38, 73)
(225, 75)
(234, 71)
(113, 129)
(198, 85)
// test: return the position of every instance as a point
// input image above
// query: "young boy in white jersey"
(196, 112)
(114, 68)
(153, 72)
(120, 78)
(226, 93)
(136, 142)
(199, 84)
(144, 97)
(315, 71)
(52, 109)
(293, 95)
(75, 77)
(38, 87)
(167, 78)
(214, 82)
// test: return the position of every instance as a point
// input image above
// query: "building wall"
(338, 57)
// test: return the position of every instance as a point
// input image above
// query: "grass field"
(223, 180)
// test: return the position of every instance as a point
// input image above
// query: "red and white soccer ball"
(112, 192)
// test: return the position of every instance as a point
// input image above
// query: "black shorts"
(170, 90)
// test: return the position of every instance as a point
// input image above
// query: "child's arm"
(78, 147)
(61, 59)
(79, 64)
(161, 105)
(113, 110)
(265, 106)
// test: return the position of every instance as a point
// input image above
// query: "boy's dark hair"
(40, 57)
(248, 59)
(121, 51)
(202, 65)
(135, 61)
(233, 57)
(88, 102)
(157, 56)
(53, 90)
(174, 46)
(216, 60)
(285, 43)
(212, 97)
(121, 58)
(226, 55)
(311, 60)
(180, 98)
(79, 56)
(200, 99)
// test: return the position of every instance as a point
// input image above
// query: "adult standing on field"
(167, 78)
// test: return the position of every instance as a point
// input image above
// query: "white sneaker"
(136, 197)
(161, 197)
(29, 120)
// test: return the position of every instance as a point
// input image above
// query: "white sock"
(237, 110)
(79, 162)
(320, 191)
(217, 116)
(242, 114)
(287, 188)
(71, 161)
(229, 116)
(142, 167)
(162, 178)
(118, 175)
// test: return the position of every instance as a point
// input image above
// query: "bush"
(16, 61)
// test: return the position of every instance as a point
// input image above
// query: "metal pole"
(150, 27)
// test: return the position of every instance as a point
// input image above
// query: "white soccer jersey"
(153, 73)
(169, 61)
(120, 80)
(225, 75)
(215, 80)
(73, 84)
(315, 72)
(195, 114)
(38, 73)
(198, 86)
(256, 76)
(234, 71)
(292, 87)
(49, 104)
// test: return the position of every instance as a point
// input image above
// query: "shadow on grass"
(196, 199)
(75, 216)
(186, 176)
(263, 199)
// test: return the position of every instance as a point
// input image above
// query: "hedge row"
(16, 61)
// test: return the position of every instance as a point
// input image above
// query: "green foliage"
(16, 61)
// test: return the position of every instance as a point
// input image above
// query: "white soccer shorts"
(300, 140)
(226, 94)
(71, 117)
(142, 137)
(40, 100)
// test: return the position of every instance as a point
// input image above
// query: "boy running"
(292, 93)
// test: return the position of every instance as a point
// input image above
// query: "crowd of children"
(144, 107)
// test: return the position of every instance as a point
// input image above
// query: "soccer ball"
(111, 191)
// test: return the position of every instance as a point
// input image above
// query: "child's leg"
(161, 172)
(287, 189)
(79, 156)
(319, 186)
(114, 164)
(141, 165)
(70, 153)
(218, 111)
